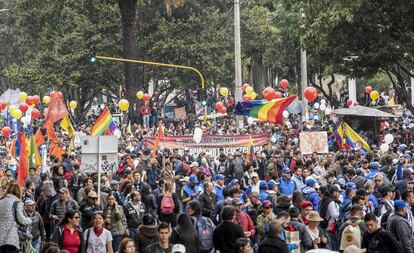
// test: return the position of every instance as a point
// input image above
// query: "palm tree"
(128, 10)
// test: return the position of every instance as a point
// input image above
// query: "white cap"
(178, 248)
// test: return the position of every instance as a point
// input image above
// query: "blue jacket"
(286, 187)
(399, 171)
(373, 200)
(344, 206)
(219, 192)
(310, 194)
(187, 191)
(263, 195)
(372, 174)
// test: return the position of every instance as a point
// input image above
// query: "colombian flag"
(348, 139)
(250, 148)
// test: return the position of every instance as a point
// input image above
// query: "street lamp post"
(237, 57)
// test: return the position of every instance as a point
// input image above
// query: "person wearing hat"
(310, 193)
(115, 192)
(354, 249)
(251, 184)
(306, 207)
(59, 207)
(318, 236)
(37, 228)
(399, 227)
(264, 219)
(272, 191)
(87, 208)
(219, 186)
(190, 191)
(178, 248)
(243, 219)
(263, 191)
(187, 157)
(348, 235)
(286, 187)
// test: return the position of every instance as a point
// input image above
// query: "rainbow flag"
(270, 111)
(250, 148)
(348, 139)
(104, 125)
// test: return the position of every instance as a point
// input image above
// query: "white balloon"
(384, 147)
(322, 107)
(25, 120)
(198, 134)
(250, 120)
(285, 114)
(388, 138)
(328, 111)
(316, 105)
(323, 101)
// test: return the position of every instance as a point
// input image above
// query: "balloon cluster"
(388, 139)
(269, 93)
(322, 107)
(143, 96)
(250, 94)
(221, 108)
(373, 94)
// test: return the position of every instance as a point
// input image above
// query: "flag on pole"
(66, 125)
(39, 138)
(56, 110)
(347, 138)
(160, 133)
(104, 125)
(34, 157)
(23, 167)
(250, 148)
(51, 134)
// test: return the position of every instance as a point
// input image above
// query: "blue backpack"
(205, 227)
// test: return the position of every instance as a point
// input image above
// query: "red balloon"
(246, 97)
(268, 93)
(60, 94)
(23, 107)
(36, 99)
(349, 102)
(310, 93)
(368, 89)
(245, 86)
(54, 94)
(277, 95)
(223, 110)
(356, 103)
(3, 105)
(29, 100)
(284, 83)
(6, 131)
(35, 113)
(146, 97)
(219, 105)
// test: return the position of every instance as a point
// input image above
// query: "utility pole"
(237, 51)
(303, 73)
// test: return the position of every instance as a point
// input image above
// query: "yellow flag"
(67, 126)
(391, 101)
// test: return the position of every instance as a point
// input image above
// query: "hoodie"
(271, 244)
(147, 235)
(309, 193)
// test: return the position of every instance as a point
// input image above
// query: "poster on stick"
(313, 142)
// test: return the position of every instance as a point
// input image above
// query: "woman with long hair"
(98, 238)
(115, 221)
(12, 215)
(127, 246)
(68, 235)
(168, 205)
(185, 234)
(149, 200)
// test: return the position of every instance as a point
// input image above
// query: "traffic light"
(203, 103)
(92, 54)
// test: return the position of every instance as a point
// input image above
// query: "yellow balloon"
(374, 95)
(249, 90)
(73, 104)
(22, 96)
(17, 114)
(46, 99)
(253, 95)
(140, 94)
(123, 104)
(224, 92)
(12, 108)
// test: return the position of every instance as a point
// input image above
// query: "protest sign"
(313, 142)
(180, 113)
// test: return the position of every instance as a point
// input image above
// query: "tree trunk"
(258, 74)
(130, 47)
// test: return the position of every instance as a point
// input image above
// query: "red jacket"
(245, 223)
(145, 110)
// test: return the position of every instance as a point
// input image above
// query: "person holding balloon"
(145, 111)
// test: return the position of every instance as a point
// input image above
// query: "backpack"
(205, 227)
(238, 168)
(351, 235)
(167, 205)
(385, 217)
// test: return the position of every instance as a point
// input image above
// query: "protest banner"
(180, 113)
(313, 142)
(210, 143)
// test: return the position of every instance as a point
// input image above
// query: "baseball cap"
(114, 182)
(310, 182)
(334, 188)
(193, 179)
(219, 177)
(350, 185)
(178, 248)
(374, 166)
(266, 203)
(234, 181)
(286, 170)
(236, 202)
(263, 184)
(399, 204)
(271, 184)
(29, 202)
(305, 204)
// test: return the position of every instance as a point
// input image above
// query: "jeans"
(146, 119)
(36, 244)
(116, 241)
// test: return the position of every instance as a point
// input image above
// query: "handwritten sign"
(313, 142)
(108, 163)
(180, 113)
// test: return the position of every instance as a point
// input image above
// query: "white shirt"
(97, 244)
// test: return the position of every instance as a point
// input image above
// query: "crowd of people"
(278, 200)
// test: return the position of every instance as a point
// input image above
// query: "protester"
(115, 221)
(163, 244)
(273, 243)
(400, 228)
(37, 229)
(377, 239)
(127, 246)
(68, 235)
(227, 233)
(147, 233)
(185, 234)
(98, 238)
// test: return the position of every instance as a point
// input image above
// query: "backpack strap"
(88, 233)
